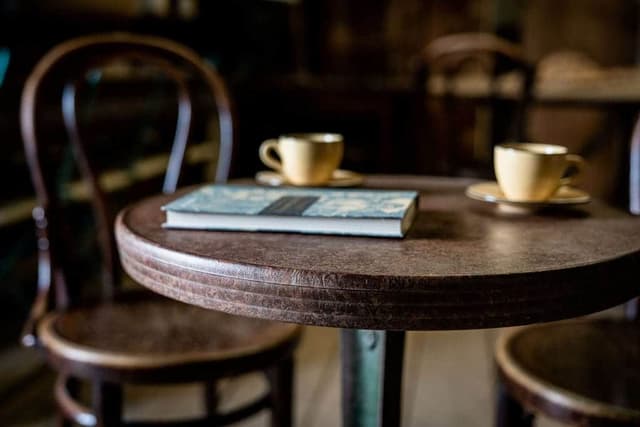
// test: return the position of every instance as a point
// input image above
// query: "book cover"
(305, 210)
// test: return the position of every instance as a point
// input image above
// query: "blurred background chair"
(578, 372)
(474, 66)
(584, 372)
(92, 327)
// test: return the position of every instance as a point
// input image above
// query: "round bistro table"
(462, 265)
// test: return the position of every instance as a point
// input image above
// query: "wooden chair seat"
(141, 336)
(585, 373)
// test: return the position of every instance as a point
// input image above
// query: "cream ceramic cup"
(304, 158)
(533, 172)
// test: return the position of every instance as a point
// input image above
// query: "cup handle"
(577, 162)
(266, 149)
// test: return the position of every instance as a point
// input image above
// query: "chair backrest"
(634, 170)
(448, 56)
(63, 74)
(632, 308)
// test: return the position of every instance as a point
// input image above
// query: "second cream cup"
(305, 158)
(533, 172)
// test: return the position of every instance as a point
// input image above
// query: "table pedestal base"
(371, 377)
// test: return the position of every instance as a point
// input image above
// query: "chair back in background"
(445, 62)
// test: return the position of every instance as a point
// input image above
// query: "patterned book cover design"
(249, 200)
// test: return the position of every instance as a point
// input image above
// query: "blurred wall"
(568, 39)
(605, 30)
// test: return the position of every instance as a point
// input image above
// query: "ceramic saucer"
(340, 178)
(490, 192)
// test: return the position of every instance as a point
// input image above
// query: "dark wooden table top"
(462, 265)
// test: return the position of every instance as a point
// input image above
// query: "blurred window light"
(5, 56)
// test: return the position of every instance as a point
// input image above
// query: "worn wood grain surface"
(462, 265)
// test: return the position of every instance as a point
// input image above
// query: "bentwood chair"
(585, 372)
(468, 66)
(123, 336)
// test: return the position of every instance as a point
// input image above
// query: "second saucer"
(490, 192)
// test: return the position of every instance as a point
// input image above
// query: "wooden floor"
(448, 381)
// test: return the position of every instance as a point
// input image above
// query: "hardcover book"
(303, 210)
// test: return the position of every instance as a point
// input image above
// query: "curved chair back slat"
(634, 170)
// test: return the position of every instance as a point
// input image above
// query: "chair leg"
(73, 387)
(107, 404)
(280, 378)
(211, 399)
(509, 412)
